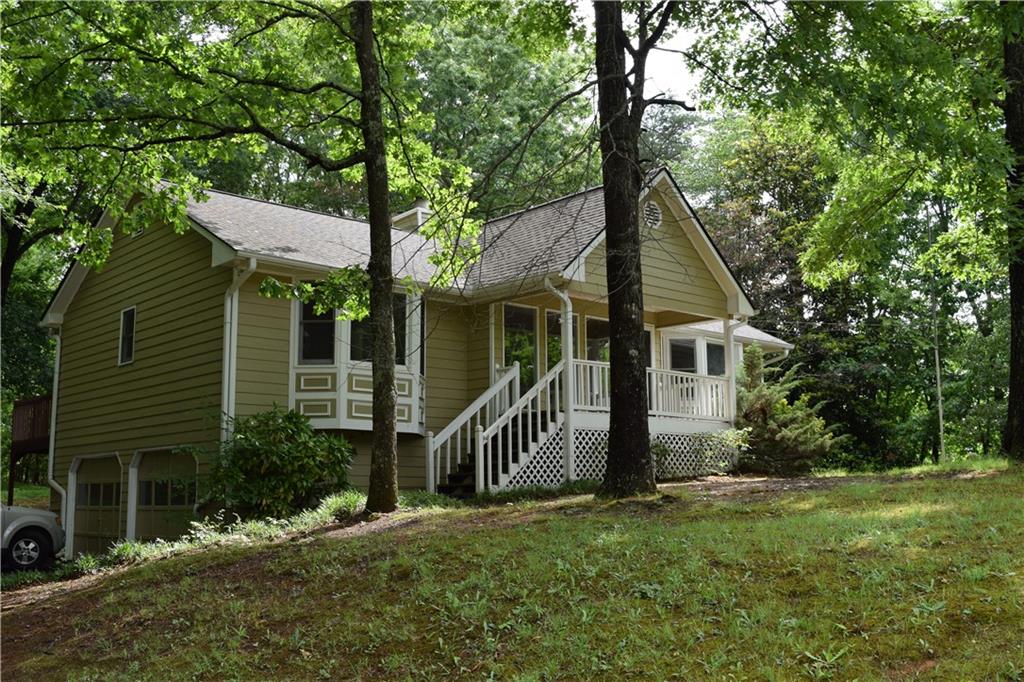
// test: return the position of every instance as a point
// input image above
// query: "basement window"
(126, 346)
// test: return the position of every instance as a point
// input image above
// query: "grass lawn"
(29, 495)
(869, 580)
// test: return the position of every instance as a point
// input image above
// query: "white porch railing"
(681, 394)
(507, 444)
(453, 445)
(669, 393)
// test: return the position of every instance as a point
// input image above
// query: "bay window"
(360, 337)
(316, 336)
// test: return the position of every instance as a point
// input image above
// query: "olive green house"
(502, 378)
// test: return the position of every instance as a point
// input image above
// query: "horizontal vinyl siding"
(263, 343)
(446, 333)
(171, 393)
(675, 275)
(478, 354)
(412, 466)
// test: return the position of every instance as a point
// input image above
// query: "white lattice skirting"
(685, 454)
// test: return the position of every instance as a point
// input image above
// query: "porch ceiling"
(672, 318)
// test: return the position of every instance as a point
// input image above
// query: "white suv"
(31, 537)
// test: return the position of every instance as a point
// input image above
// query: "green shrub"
(275, 464)
(786, 437)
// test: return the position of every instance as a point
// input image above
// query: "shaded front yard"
(872, 579)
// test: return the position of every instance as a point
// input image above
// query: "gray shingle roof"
(743, 333)
(263, 228)
(536, 241)
(540, 240)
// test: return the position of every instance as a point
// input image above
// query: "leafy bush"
(785, 438)
(275, 464)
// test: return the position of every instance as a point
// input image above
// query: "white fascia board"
(54, 315)
(223, 253)
(576, 270)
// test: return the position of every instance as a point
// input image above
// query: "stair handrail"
(435, 443)
(477, 405)
(483, 436)
(524, 399)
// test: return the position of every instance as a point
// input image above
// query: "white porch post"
(568, 382)
(431, 466)
(569, 390)
(730, 368)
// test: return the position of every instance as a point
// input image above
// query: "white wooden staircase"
(497, 435)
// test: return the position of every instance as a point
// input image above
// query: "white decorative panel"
(689, 454)
(545, 468)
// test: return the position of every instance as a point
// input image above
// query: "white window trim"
(345, 326)
(297, 339)
(536, 335)
(701, 342)
(343, 336)
(120, 334)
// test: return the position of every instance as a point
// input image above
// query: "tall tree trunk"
(16, 241)
(12, 251)
(630, 469)
(383, 493)
(1013, 70)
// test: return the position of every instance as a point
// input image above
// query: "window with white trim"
(126, 344)
(716, 358)
(316, 336)
(360, 337)
(682, 355)
(520, 335)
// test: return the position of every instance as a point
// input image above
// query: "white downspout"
(568, 381)
(53, 439)
(227, 403)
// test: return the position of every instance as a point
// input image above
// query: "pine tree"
(785, 437)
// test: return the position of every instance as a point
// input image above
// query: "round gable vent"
(652, 215)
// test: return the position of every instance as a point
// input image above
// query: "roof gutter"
(227, 403)
(777, 357)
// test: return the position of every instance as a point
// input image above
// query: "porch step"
(461, 483)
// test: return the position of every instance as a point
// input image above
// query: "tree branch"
(670, 102)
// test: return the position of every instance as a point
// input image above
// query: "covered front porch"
(543, 418)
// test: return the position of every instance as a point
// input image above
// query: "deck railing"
(30, 425)
(669, 393)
